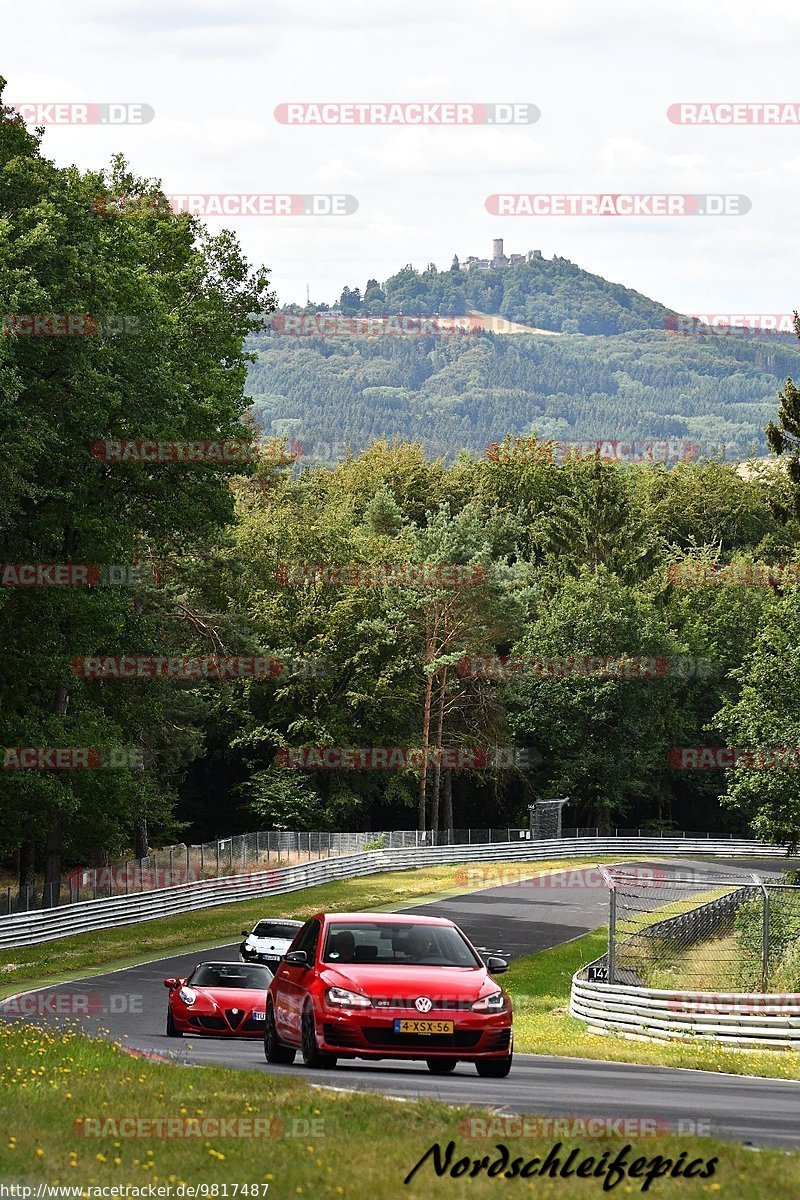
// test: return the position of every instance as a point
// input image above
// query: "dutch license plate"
(403, 1025)
(259, 1016)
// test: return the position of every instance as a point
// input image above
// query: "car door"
(291, 984)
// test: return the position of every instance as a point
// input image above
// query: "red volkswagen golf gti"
(375, 985)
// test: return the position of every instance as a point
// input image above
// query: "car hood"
(264, 945)
(232, 997)
(454, 983)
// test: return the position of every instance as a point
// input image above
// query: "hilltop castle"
(498, 261)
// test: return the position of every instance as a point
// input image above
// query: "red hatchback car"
(383, 985)
(220, 998)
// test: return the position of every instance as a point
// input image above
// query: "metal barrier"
(245, 853)
(747, 1020)
(30, 928)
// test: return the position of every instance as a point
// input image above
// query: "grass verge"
(329, 1145)
(540, 987)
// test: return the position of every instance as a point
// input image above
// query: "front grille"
(336, 1035)
(386, 1036)
(235, 1017)
(403, 1002)
(209, 1022)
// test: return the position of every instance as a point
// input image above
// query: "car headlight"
(344, 999)
(494, 1002)
(187, 995)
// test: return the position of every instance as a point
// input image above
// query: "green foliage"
(784, 943)
(567, 560)
(172, 306)
(764, 711)
(466, 391)
(546, 293)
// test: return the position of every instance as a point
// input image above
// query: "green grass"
(328, 1145)
(540, 986)
(661, 963)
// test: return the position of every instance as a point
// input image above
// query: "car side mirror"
(170, 983)
(296, 958)
(496, 965)
(245, 933)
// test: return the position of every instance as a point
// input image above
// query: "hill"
(552, 294)
(615, 370)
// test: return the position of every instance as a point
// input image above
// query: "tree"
(162, 311)
(783, 438)
(603, 741)
(765, 715)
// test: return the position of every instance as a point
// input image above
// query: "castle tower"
(497, 248)
(455, 265)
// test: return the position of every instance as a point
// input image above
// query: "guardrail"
(42, 925)
(747, 1020)
(261, 850)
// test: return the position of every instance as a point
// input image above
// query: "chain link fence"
(714, 933)
(263, 850)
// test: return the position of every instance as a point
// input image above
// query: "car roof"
(382, 918)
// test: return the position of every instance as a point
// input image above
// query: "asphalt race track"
(514, 919)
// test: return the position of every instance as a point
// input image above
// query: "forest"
(416, 634)
(611, 364)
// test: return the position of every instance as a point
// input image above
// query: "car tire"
(312, 1055)
(494, 1068)
(441, 1066)
(274, 1050)
(171, 1030)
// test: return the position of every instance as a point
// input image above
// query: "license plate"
(259, 1016)
(403, 1025)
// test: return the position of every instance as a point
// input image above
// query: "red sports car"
(375, 985)
(221, 998)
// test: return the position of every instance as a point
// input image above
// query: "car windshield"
(397, 945)
(231, 975)
(275, 929)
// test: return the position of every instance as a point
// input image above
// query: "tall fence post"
(611, 956)
(764, 934)
(217, 858)
(765, 930)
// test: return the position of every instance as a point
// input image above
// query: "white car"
(268, 941)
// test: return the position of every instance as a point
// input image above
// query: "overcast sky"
(603, 74)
